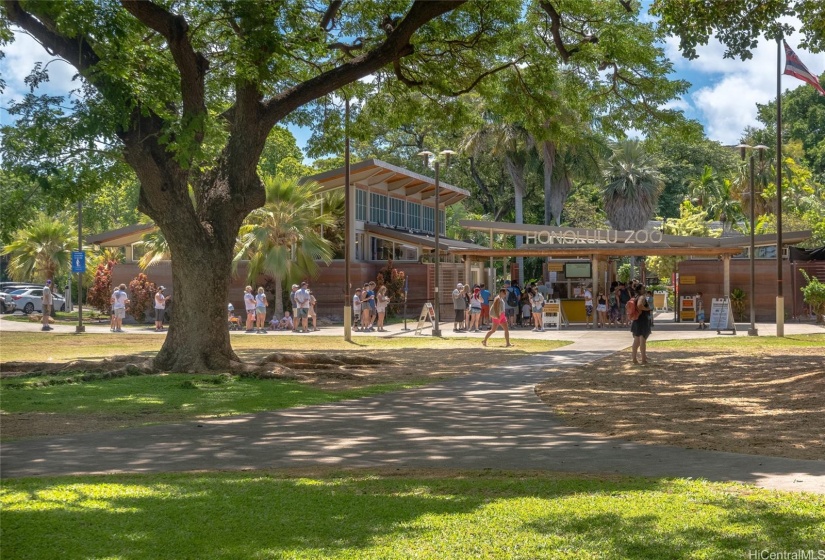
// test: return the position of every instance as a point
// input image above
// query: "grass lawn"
(744, 395)
(39, 405)
(388, 515)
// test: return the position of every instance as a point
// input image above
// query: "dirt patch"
(765, 402)
(345, 371)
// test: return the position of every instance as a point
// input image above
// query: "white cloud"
(729, 89)
(20, 58)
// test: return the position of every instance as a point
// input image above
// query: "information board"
(721, 315)
(427, 314)
(78, 261)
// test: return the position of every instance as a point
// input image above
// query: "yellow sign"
(553, 267)
(687, 280)
(551, 307)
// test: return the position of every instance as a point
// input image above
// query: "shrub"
(814, 295)
(393, 279)
(99, 294)
(738, 302)
(141, 297)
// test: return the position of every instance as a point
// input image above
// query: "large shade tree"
(190, 91)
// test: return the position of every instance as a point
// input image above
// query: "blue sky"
(723, 96)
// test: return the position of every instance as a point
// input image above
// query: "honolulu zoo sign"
(586, 236)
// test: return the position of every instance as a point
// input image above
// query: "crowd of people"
(301, 319)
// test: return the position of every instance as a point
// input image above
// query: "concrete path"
(491, 419)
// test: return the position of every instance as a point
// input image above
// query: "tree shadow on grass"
(767, 404)
(260, 515)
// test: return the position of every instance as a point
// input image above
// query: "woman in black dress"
(640, 327)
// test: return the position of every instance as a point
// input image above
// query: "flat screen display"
(578, 270)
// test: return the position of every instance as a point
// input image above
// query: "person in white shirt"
(356, 309)
(537, 304)
(46, 305)
(588, 307)
(302, 301)
(120, 301)
(160, 308)
(249, 305)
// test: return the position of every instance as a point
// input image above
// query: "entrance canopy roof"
(398, 180)
(423, 240)
(548, 241)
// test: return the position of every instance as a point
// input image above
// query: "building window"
(429, 220)
(378, 208)
(397, 212)
(442, 222)
(361, 205)
(413, 215)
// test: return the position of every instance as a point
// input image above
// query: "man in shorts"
(459, 305)
(120, 300)
(46, 303)
(302, 298)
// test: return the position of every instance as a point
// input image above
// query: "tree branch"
(191, 65)
(396, 45)
(556, 25)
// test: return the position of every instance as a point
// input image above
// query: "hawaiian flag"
(795, 68)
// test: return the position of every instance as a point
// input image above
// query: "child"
(700, 311)
(286, 322)
(356, 309)
(526, 310)
(274, 323)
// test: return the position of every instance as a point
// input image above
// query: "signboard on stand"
(427, 314)
(721, 316)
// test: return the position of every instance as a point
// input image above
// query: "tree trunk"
(519, 187)
(279, 296)
(198, 339)
(559, 195)
(548, 150)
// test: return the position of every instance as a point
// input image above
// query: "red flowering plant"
(141, 296)
(393, 279)
(99, 294)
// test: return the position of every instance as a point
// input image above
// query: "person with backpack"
(498, 317)
(638, 312)
(511, 300)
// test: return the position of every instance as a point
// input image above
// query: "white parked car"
(31, 300)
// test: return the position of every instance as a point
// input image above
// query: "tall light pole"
(437, 223)
(780, 294)
(752, 331)
(347, 231)
(79, 328)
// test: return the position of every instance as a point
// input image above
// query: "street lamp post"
(752, 331)
(437, 226)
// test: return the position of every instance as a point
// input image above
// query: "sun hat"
(162, 288)
(459, 285)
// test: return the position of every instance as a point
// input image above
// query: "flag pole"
(780, 299)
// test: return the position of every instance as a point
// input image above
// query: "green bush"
(814, 295)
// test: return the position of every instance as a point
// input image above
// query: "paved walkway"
(490, 419)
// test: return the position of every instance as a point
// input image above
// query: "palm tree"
(723, 205)
(155, 248)
(633, 186)
(40, 250)
(282, 239)
(514, 145)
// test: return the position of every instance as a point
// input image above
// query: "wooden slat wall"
(328, 286)
(710, 278)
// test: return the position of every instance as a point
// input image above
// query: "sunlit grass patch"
(381, 515)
